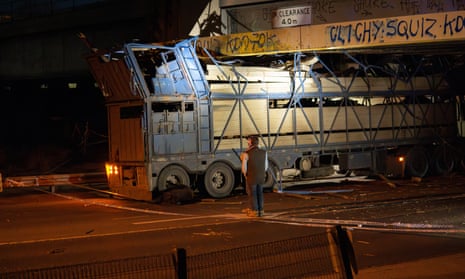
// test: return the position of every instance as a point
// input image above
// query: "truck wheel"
(219, 180)
(271, 176)
(444, 160)
(417, 162)
(174, 175)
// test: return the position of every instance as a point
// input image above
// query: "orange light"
(111, 169)
(108, 169)
(401, 159)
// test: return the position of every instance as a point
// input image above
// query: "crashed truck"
(180, 114)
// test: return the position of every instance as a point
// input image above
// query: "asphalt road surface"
(400, 229)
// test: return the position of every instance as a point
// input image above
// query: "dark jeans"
(255, 195)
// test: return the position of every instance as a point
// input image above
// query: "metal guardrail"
(52, 180)
(324, 255)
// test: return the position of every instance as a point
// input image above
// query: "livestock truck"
(180, 114)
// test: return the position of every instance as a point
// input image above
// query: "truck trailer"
(180, 112)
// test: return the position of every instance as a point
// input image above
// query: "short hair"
(253, 139)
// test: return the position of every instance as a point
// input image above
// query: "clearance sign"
(293, 16)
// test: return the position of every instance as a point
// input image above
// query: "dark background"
(46, 126)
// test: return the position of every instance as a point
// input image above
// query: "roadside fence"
(324, 255)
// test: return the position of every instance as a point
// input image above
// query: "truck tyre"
(443, 159)
(174, 175)
(271, 176)
(417, 162)
(219, 180)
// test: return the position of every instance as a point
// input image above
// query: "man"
(254, 165)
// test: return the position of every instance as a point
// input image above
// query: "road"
(406, 230)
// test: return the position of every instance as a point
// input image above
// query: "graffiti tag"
(396, 29)
(250, 42)
(241, 43)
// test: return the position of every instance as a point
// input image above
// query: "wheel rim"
(219, 180)
(174, 175)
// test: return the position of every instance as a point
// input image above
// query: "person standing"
(254, 165)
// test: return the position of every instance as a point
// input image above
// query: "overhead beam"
(424, 29)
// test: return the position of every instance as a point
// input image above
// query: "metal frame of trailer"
(179, 113)
(192, 130)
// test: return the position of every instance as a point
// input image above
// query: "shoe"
(252, 213)
(261, 213)
(245, 210)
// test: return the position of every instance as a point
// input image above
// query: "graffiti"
(410, 6)
(324, 6)
(454, 25)
(364, 7)
(320, 8)
(371, 31)
(396, 29)
(250, 42)
(435, 5)
(240, 43)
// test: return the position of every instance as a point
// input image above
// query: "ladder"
(194, 72)
(186, 52)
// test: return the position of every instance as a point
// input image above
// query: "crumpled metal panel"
(113, 78)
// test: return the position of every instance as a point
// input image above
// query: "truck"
(180, 112)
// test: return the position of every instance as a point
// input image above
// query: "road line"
(112, 234)
(230, 216)
(115, 206)
(370, 226)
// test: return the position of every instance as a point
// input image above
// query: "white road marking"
(33, 241)
(116, 206)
